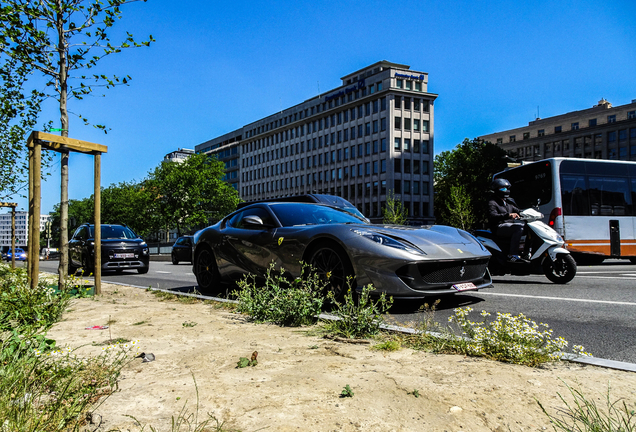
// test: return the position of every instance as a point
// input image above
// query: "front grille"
(452, 271)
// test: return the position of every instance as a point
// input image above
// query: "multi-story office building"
(178, 155)
(21, 229)
(600, 132)
(371, 136)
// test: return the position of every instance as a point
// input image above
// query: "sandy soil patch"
(297, 383)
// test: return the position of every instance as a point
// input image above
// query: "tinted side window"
(609, 196)
(574, 196)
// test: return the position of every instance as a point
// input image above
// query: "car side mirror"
(253, 221)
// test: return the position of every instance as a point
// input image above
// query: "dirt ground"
(298, 381)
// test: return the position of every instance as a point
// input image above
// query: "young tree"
(191, 193)
(393, 212)
(59, 38)
(470, 166)
(460, 209)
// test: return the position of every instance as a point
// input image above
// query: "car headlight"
(388, 241)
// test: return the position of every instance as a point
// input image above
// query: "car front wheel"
(206, 271)
(175, 261)
(334, 268)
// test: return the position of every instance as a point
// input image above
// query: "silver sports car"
(404, 262)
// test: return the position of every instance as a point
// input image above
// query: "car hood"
(428, 238)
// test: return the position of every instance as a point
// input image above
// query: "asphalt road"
(597, 309)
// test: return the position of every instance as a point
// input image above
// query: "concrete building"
(21, 229)
(600, 132)
(178, 155)
(370, 136)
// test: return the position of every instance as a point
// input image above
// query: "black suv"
(121, 249)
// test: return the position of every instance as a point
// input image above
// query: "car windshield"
(294, 214)
(115, 232)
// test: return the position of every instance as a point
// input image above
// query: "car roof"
(331, 200)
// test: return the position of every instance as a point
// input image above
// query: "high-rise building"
(600, 132)
(367, 138)
(21, 229)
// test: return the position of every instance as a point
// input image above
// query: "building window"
(398, 102)
(575, 126)
(407, 123)
(557, 129)
(397, 145)
(425, 146)
(398, 122)
(407, 144)
(526, 135)
(379, 85)
(591, 122)
(383, 166)
(611, 118)
(512, 138)
(383, 124)
(408, 85)
(611, 137)
(397, 165)
(499, 140)
(418, 86)
(398, 83)
(541, 132)
(631, 114)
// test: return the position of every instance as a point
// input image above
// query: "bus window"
(609, 196)
(530, 183)
(574, 195)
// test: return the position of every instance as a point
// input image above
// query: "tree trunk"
(63, 91)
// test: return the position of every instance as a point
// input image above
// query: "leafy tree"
(18, 116)
(58, 38)
(190, 194)
(393, 211)
(460, 209)
(469, 166)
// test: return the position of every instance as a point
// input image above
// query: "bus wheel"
(560, 271)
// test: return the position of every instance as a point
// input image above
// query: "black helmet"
(501, 187)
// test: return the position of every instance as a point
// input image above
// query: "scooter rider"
(503, 217)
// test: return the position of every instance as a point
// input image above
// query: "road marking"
(164, 272)
(609, 277)
(559, 298)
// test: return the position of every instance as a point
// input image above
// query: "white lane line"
(164, 272)
(559, 298)
(623, 277)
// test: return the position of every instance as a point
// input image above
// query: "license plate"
(464, 286)
(124, 255)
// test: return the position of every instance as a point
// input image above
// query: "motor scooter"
(545, 247)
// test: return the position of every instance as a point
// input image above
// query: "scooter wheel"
(560, 271)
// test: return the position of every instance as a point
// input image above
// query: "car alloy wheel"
(333, 268)
(205, 271)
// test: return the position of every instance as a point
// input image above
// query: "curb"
(590, 361)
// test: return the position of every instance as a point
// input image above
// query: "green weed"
(583, 414)
(346, 392)
(281, 300)
(358, 319)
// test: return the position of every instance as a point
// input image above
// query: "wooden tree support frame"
(13, 206)
(60, 144)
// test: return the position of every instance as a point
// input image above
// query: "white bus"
(590, 202)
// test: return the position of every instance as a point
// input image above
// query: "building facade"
(21, 229)
(178, 155)
(367, 138)
(600, 132)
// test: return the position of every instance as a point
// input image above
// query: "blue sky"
(217, 66)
